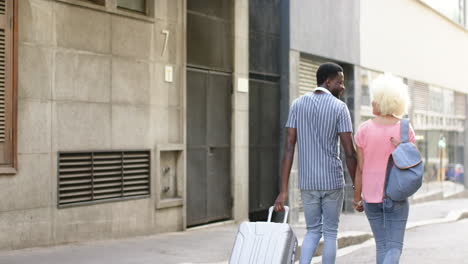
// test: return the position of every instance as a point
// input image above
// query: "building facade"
(314, 36)
(100, 97)
(425, 45)
(122, 118)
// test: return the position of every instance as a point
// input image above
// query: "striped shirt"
(318, 118)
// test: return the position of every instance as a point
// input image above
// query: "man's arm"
(286, 164)
(346, 140)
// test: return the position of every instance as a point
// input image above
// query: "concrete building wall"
(92, 80)
(329, 29)
(320, 29)
(409, 39)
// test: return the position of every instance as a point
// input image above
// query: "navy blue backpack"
(405, 168)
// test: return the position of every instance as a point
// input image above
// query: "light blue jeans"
(322, 211)
(388, 229)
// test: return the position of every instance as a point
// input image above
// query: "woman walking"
(375, 140)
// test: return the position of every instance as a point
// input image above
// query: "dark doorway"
(264, 105)
(209, 108)
(263, 147)
(208, 146)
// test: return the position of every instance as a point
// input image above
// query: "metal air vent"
(88, 177)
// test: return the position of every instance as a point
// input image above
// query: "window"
(367, 76)
(365, 91)
(8, 51)
(139, 9)
(449, 102)
(134, 5)
(452, 9)
(98, 2)
(436, 99)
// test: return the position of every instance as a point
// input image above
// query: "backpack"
(405, 168)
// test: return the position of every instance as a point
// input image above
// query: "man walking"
(315, 121)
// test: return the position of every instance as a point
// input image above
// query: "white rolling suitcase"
(265, 242)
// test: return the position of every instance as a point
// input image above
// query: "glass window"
(367, 76)
(449, 102)
(453, 9)
(99, 2)
(134, 5)
(365, 91)
(436, 102)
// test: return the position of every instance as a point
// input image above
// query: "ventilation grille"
(2, 83)
(87, 177)
(2, 7)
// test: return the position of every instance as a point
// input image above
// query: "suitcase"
(265, 242)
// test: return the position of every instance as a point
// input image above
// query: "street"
(440, 243)
(213, 244)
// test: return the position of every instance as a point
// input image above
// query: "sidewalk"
(435, 190)
(210, 244)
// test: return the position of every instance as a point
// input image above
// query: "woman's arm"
(357, 203)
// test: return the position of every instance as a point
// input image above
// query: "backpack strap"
(404, 130)
(404, 124)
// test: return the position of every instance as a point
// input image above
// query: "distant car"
(455, 172)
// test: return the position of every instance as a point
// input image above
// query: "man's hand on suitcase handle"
(280, 201)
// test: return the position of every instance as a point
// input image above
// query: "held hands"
(280, 201)
(358, 206)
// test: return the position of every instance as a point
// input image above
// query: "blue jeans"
(388, 229)
(322, 211)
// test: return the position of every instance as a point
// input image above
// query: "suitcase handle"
(270, 213)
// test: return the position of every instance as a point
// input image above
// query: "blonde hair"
(390, 94)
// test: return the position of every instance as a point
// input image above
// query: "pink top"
(374, 140)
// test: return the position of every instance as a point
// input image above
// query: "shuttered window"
(420, 99)
(2, 85)
(420, 95)
(307, 75)
(7, 86)
(89, 177)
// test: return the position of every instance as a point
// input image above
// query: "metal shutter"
(6, 82)
(420, 95)
(307, 75)
(2, 84)
(85, 177)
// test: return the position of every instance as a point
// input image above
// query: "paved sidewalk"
(435, 190)
(211, 244)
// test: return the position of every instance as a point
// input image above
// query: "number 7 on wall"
(165, 32)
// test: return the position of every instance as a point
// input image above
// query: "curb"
(453, 216)
(348, 239)
(344, 239)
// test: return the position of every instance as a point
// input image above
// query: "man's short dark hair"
(327, 70)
